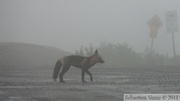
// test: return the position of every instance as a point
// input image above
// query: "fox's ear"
(96, 52)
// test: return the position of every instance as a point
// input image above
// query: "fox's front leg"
(91, 78)
(82, 74)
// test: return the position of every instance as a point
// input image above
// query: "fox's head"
(98, 58)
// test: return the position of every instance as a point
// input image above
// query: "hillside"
(21, 54)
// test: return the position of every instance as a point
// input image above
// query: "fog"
(68, 24)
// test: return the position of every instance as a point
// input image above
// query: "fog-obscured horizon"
(70, 24)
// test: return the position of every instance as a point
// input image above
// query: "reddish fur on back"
(93, 60)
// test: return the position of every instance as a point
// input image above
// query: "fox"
(81, 62)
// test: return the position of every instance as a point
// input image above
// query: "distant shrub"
(123, 55)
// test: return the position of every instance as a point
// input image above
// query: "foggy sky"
(68, 24)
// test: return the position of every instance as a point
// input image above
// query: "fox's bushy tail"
(57, 69)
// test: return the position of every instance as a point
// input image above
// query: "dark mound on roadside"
(22, 54)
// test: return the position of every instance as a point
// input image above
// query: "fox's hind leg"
(64, 70)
